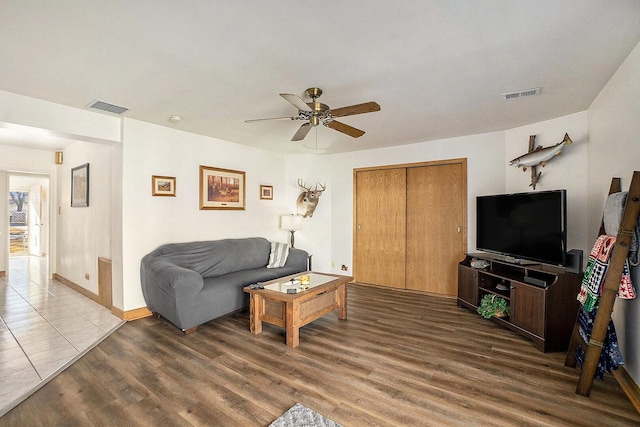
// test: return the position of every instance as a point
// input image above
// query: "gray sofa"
(192, 283)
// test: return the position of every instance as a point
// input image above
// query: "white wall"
(35, 115)
(316, 235)
(84, 233)
(148, 222)
(614, 151)
(329, 234)
(117, 287)
(566, 171)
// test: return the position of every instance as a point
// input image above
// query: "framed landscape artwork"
(221, 188)
(266, 192)
(163, 185)
(80, 186)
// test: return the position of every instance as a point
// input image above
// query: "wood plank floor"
(399, 360)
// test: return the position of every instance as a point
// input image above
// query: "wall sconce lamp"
(58, 157)
(291, 223)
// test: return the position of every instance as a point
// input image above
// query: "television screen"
(529, 226)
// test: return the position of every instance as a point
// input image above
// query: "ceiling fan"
(315, 113)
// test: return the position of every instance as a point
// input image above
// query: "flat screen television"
(525, 226)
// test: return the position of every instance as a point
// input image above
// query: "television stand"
(542, 298)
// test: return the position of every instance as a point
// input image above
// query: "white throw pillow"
(278, 255)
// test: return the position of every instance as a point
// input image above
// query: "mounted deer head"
(308, 199)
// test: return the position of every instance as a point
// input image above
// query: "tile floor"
(44, 327)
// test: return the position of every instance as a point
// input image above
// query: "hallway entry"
(28, 202)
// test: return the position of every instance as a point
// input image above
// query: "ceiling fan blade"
(351, 110)
(302, 132)
(296, 101)
(272, 118)
(346, 129)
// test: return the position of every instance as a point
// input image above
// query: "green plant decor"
(493, 305)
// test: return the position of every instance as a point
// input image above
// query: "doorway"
(29, 223)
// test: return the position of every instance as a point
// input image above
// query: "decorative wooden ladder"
(593, 348)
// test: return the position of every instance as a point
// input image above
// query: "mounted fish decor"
(538, 156)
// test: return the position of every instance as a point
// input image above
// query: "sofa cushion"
(278, 255)
(240, 279)
(219, 257)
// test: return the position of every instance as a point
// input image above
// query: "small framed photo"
(221, 188)
(266, 192)
(163, 185)
(80, 186)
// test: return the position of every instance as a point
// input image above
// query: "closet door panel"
(436, 216)
(380, 227)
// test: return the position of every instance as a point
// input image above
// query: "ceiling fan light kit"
(315, 113)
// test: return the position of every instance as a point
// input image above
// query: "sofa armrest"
(298, 258)
(163, 274)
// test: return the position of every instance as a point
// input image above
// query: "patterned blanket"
(589, 296)
(596, 271)
(610, 357)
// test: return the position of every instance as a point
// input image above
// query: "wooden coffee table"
(326, 293)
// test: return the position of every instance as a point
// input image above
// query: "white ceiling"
(437, 68)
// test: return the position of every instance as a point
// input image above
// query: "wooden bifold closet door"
(410, 225)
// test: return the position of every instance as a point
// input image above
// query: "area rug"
(301, 416)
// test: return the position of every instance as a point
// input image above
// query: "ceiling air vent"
(522, 93)
(108, 107)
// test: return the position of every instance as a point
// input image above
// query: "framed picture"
(266, 192)
(221, 188)
(163, 185)
(80, 186)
